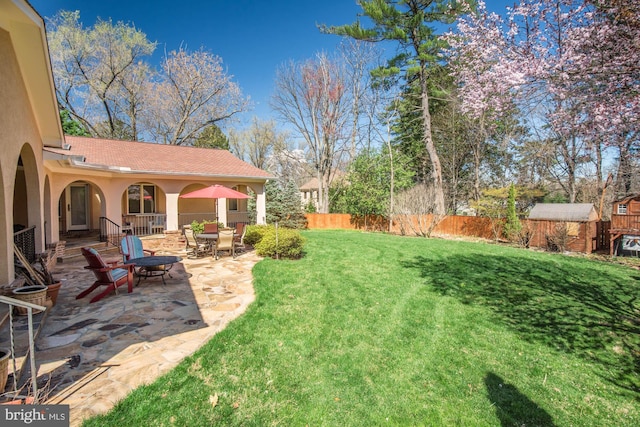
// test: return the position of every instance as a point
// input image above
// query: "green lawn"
(373, 329)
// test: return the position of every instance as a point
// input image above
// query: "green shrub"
(197, 227)
(289, 243)
(254, 233)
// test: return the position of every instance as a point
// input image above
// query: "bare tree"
(99, 73)
(266, 147)
(257, 143)
(313, 97)
(416, 211)
(193, 91)
(359, 57)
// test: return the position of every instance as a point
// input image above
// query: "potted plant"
(53, 286)
(4, 367)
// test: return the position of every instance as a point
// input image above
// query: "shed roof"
(629, 198)
(564, 212)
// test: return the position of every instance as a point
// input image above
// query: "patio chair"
(210, 227)
(194, 248)
(241, 230)
(126, 226)
(111, 274)
(131, 247)
(225, 242)
(157, 226)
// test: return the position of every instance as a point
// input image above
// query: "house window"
(233, 203)
(622, 209)
(141, 199)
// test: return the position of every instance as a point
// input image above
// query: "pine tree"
(284, 205)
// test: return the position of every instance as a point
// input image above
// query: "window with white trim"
(622, 209)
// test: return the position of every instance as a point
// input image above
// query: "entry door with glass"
(77, 207)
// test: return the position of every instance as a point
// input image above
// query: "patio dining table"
(212, 237)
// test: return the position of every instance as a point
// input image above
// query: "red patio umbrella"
(216, 191)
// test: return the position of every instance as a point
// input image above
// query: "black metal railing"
(109, 231)
(25, 240)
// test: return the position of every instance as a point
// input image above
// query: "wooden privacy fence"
(472, 226)
(583, 237)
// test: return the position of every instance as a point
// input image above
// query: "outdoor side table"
(151, 266)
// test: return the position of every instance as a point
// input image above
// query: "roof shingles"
(159, 158)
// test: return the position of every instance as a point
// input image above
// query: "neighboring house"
(309, 193)
(52, 184)
(573, 223)
(309, 190)
(625, 226)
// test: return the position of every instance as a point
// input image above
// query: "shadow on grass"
(512, 407)
(571, 305)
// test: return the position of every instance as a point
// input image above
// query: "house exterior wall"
(108, 194)
(19, 135)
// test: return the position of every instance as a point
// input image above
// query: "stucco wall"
(18, 127)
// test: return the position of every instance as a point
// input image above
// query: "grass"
(373, 329)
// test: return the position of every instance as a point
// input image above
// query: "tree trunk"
(436, 167)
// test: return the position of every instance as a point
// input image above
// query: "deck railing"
(12, 302)
(144, 224)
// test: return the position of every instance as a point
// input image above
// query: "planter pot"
(29, 400)
(33, 294)
(52, 291)
(4, 367)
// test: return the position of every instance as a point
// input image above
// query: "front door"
(77, 207)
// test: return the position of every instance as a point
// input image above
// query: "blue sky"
(253, 38)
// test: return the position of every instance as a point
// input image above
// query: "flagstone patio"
(89, 356)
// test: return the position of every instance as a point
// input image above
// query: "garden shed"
(564, 226)
(625, 226)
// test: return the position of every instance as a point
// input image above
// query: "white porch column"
(261, 206)
(222, 211)
(171, 209)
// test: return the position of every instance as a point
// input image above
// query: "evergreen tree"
(412, 24)
(212, 137)
(70, 126)
(284, 205)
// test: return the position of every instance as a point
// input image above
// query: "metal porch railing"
(17, 373)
